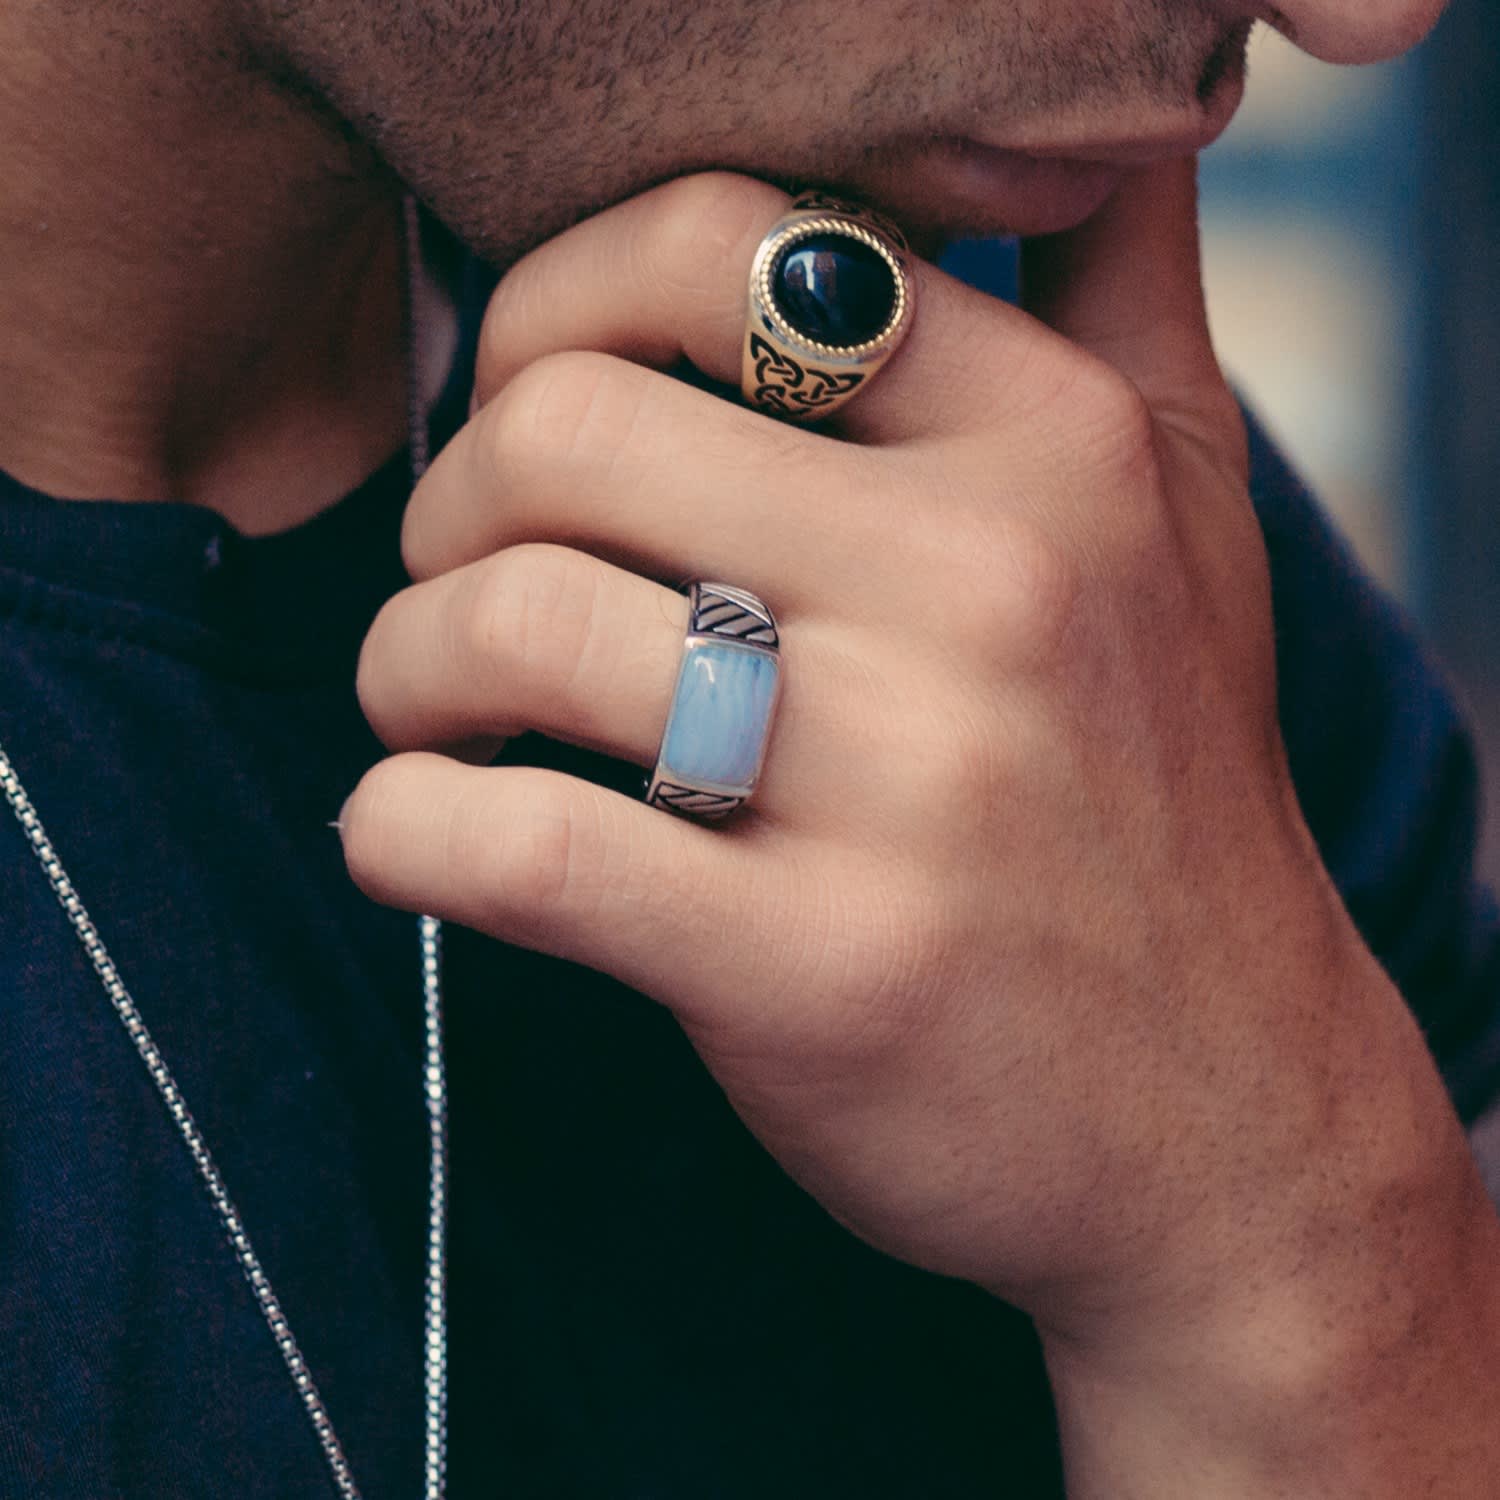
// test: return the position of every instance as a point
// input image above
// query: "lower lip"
(967, 188)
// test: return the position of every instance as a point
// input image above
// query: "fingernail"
(338, 822)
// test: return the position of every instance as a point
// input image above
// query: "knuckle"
(558, 406)
(525, 611)
(1044, 585)
(1117, 467)
(878, 970)
(707, 219)
(539, 863)
(693, 257)
(1020, 601)
(1110, 426)
(955, 768)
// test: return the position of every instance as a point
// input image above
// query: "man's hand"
(1023, 960)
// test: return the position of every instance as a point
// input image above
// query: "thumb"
(1128, 286)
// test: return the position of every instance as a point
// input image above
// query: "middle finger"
(597, 453)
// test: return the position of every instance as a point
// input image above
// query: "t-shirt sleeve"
(1385, 768)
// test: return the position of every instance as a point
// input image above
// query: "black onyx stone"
(834, 289)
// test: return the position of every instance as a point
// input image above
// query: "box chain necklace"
(434, 1078)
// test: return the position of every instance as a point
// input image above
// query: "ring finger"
(540, 637)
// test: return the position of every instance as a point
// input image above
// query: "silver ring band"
(714, 742)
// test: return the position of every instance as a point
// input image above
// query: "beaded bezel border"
(801, 228)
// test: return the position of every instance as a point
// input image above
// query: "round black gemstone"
(834, 289)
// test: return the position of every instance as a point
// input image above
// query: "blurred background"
(1352, 254)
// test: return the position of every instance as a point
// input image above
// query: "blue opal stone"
(834, 289)
(720, 715)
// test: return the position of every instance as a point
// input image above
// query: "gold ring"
(831, 298)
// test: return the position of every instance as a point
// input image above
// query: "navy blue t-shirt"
(644, 1306)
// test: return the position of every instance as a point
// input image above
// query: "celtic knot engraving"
(784, 386)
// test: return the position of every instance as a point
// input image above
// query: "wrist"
(1342, 1336)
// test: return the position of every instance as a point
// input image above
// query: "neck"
(200, 276)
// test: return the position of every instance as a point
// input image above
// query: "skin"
(1047, 988)
(1259, 1257)
(231, 147)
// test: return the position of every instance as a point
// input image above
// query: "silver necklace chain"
(430, 941)
(435, 1083)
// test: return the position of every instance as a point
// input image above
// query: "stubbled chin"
(947, 190)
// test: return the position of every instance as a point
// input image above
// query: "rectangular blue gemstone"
(720, 715)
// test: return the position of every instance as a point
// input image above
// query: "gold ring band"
(811, 345)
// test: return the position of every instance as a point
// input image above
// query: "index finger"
(663, 277)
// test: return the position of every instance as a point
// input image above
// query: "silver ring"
(715, 737)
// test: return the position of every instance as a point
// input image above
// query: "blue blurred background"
(1352, 255)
